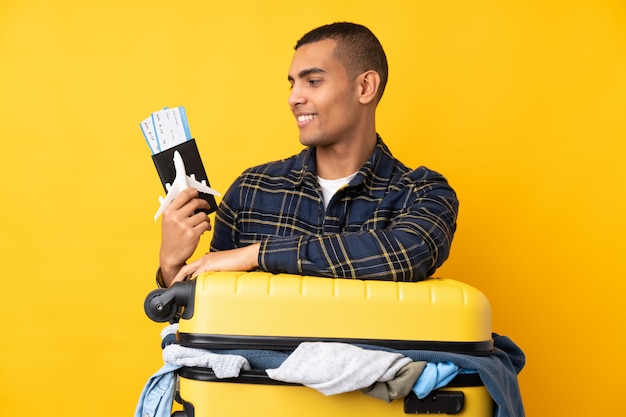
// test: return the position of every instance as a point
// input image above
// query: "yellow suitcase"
(257, 310)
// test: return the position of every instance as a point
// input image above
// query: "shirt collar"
(373, 176)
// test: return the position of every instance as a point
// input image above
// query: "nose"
(295, 97)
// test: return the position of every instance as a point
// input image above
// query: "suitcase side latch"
(437, 402)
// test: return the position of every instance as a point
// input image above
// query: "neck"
(343, 159)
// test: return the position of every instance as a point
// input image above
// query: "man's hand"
(240, 259)
(181, 229)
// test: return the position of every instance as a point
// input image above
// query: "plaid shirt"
(388, 223)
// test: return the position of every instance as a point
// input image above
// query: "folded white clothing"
(224, 366)
(334, 368)
(169, 329)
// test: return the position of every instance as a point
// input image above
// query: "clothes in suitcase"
(235, 313)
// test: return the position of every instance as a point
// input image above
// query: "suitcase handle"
(171, 304)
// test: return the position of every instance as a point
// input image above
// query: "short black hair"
(358, 49)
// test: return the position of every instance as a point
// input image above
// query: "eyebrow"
(306, 72)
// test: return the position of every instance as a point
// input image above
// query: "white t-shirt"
(330, 187)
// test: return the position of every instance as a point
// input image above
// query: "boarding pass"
(165, 129)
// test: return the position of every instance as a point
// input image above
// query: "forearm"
(167, 272)
(366, 255)
(240, 259)
(410, 250)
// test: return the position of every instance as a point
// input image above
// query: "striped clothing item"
(389, 223)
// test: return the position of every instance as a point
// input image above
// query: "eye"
(314, 82)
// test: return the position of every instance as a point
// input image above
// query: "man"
(343, 207)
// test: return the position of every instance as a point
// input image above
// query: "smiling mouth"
(305, 118)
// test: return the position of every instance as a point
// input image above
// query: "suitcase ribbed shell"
(263, 304)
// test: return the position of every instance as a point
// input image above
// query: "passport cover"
(164, 163)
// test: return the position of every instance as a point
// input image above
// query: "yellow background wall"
(521, 104)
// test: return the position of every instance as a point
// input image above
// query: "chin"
(313, 139)
(307, 141)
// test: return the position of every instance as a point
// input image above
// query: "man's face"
(323, 97)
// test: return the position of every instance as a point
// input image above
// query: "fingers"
(240, 259)
(184, 197)
(181, 228)
(200, 222)
(185, 272)
(187, 203)
(203, 204)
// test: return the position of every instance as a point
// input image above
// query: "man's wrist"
(159, 279)
(254, 256)
(162, 273)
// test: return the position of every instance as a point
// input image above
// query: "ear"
(369, 82)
